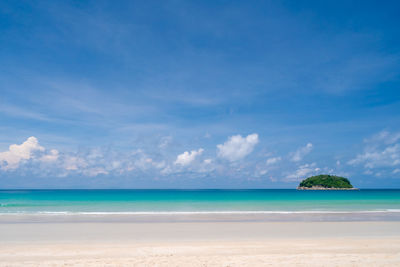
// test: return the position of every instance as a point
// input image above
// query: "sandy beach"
(199, 243)
(192, 133)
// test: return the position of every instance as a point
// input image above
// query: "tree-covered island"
(326, 182)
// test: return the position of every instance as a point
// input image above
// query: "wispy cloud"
(272, 161)
(300, 153)
(381, 151)
(303, 171)
(20, 112)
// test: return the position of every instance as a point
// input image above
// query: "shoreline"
(327, 188)
(61, 232)
(200, 212)
(361, 216)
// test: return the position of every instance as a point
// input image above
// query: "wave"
(12, 205)
(195, 212)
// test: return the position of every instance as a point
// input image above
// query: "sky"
(198, 94)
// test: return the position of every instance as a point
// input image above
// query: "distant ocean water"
(196, 201)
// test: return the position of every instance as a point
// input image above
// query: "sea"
(197, 201)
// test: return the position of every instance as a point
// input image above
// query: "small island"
(326, 182)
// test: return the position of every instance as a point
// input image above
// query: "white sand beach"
(200, 244)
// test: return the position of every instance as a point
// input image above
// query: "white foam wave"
(198, 212)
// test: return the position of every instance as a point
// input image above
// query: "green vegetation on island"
(325, 182)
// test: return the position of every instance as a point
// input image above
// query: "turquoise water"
(160, 201)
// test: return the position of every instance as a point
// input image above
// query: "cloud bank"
(380, 158)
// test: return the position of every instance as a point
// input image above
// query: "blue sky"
(198, 94)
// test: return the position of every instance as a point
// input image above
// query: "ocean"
(196, 201)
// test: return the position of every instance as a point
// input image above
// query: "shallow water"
(197, 201)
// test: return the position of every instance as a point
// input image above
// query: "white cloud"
(51, 157)
(159, 165)
(384, 137)
(368, 172)
(207, 161)
(381, 154)
(167, 170)
(72, 163)
(272, 161)
(263, 172)
(165, 142)
(16, 153)
(378, 157)
(299, 154)
(302, 172)
(188, 157)
(147, 163)
(95, 171)
(237, 147)
(98, 161)
(396, 171)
